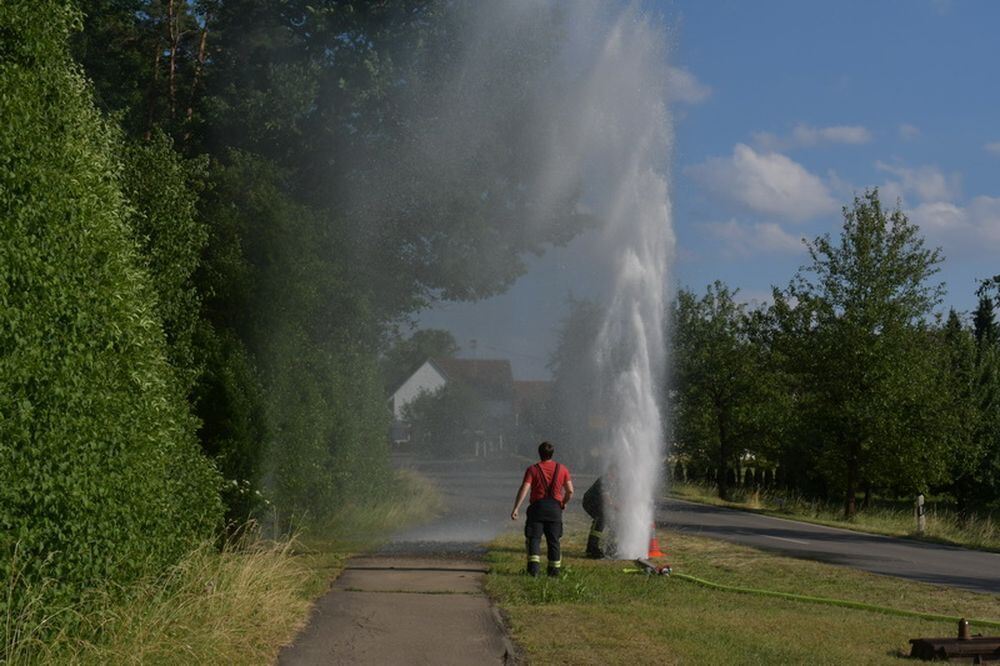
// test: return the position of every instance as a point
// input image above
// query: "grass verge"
(596, 614)
(943, 525)
(235, 605)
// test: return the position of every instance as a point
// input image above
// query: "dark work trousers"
(595, 542)
(544, 517)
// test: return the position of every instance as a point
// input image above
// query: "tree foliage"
(876, 378)
(727, 400)
(445, 421)
(331, 208)
(580, 416)
(100, 473)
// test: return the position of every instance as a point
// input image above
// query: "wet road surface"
(419, 598)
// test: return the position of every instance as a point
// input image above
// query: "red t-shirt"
(539, 476)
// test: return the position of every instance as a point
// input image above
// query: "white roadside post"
(921, 514)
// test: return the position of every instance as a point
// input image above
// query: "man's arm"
(567, 492)
(521, 494)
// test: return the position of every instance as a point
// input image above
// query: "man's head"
(545, 451)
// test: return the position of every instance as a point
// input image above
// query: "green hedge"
(100, 473)
(162, 189)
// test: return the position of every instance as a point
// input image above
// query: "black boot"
(594, 550)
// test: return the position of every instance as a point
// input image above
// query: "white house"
(426, 379)
(490, 379)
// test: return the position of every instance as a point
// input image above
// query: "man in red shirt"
(551, 488)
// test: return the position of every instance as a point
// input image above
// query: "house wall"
(426, 378)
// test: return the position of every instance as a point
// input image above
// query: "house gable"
(426, 379)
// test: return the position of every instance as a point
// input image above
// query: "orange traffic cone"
(654, 544)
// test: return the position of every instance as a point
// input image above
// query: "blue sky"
(819, 100)
(782, 111)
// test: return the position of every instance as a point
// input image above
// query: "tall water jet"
(630, 153)
(574, 93)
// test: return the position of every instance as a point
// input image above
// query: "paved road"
(926, 562)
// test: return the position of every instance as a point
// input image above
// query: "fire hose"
(858, 605)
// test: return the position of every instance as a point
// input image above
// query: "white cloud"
(992, 147)
(803, 136)
(926, 183)
(746, 239)
(683, 86)
(938, 217)
(960, 229)
(768, 183)
(908, 132)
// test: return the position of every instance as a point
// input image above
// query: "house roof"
(532, 393)
(491, 378)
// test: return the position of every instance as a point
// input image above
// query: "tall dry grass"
(234, 605)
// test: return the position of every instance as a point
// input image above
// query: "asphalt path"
(891, 556)
(419, 599)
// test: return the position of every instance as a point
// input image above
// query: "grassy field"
(597, 614)
(943, 526)
(234, 606)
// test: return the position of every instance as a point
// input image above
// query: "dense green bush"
(100, 474)
(162, 189)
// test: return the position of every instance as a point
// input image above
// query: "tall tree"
(984, 324)
(720, 379)
(877, 405)
(968, 377)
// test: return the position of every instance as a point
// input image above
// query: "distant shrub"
(100, 473)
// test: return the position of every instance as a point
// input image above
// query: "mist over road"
(906, 558)
(478, 495)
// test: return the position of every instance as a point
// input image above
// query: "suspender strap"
(551, 492)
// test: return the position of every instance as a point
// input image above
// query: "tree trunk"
(151, 95)
(851, 489)
(723, 476)
(173, 34)
(196, 77)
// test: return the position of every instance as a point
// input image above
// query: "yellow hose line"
(832, 602)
